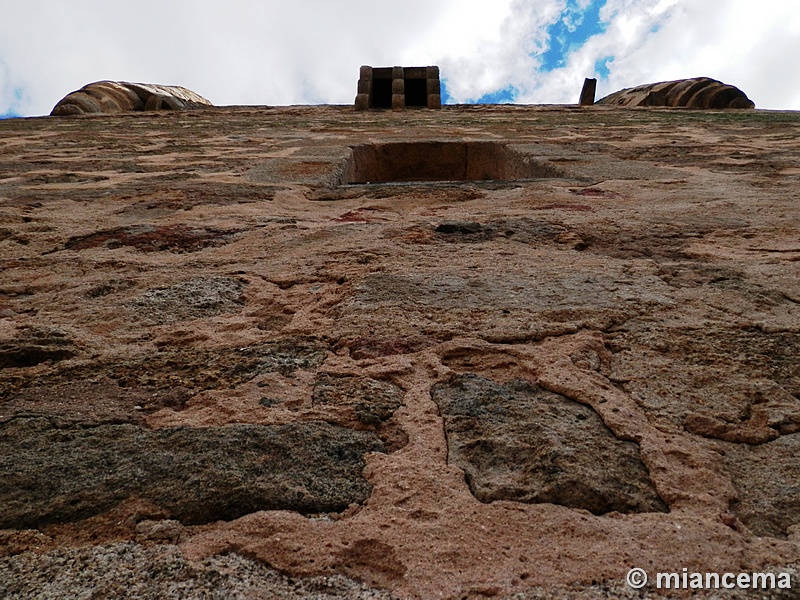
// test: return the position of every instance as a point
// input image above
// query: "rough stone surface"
(54, 475)
(171, 280)
(128, 570)
(374, 402)
(767, 478)
(177, 365)
(35, 345)
(88, 403)
(699, 92)
(120, 96)
(151, 238)
(196, 298)
(519, 442)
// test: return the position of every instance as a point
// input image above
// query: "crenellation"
(398, 88)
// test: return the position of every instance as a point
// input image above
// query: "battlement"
(398, 88)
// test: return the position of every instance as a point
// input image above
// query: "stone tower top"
(398, 88)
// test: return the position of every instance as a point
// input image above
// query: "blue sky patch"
(445, 94)
(601, 69)
(570, 32)
(573, 29)
(12, 111)
(505, 96)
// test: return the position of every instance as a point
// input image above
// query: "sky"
(280, 52)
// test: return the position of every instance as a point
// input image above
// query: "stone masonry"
(398, 88)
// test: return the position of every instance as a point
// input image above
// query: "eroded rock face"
(374, 402)
(767, 479)
(151, 238)
(174, 367)
(54, 475)
(518, 442)
(198, 297)
(34, 346)
(87, 402)
(515, 304)
(114, 571)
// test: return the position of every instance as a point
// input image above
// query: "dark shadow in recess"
(442, 161)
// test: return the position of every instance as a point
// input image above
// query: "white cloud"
(752, 46)
(504, 59)
(309, 51)
(236, 52)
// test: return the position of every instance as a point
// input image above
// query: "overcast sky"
(309, 51)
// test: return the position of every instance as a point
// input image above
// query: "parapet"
(121, 96)
(398, 88)
(699, 92)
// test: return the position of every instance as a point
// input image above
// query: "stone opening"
(442, 161)
(382, 88)
(416, 92)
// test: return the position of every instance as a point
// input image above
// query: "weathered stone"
(588, 91)
(771, 412)
(647, 265)
(152, 238)
(398, 87)
(166, 530)
(519, 303)
(373, 401)
(362, 101)
(99, 97)
(121, 96)
(372, 561)
(767, 479)
(197, 298)
(90, 402)
(735, 384)
(371, 346)
(518, 442)
(34, 346)
(198, 369)
(155, 572)
(523, 230)
(51, 475)
(700, 92)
